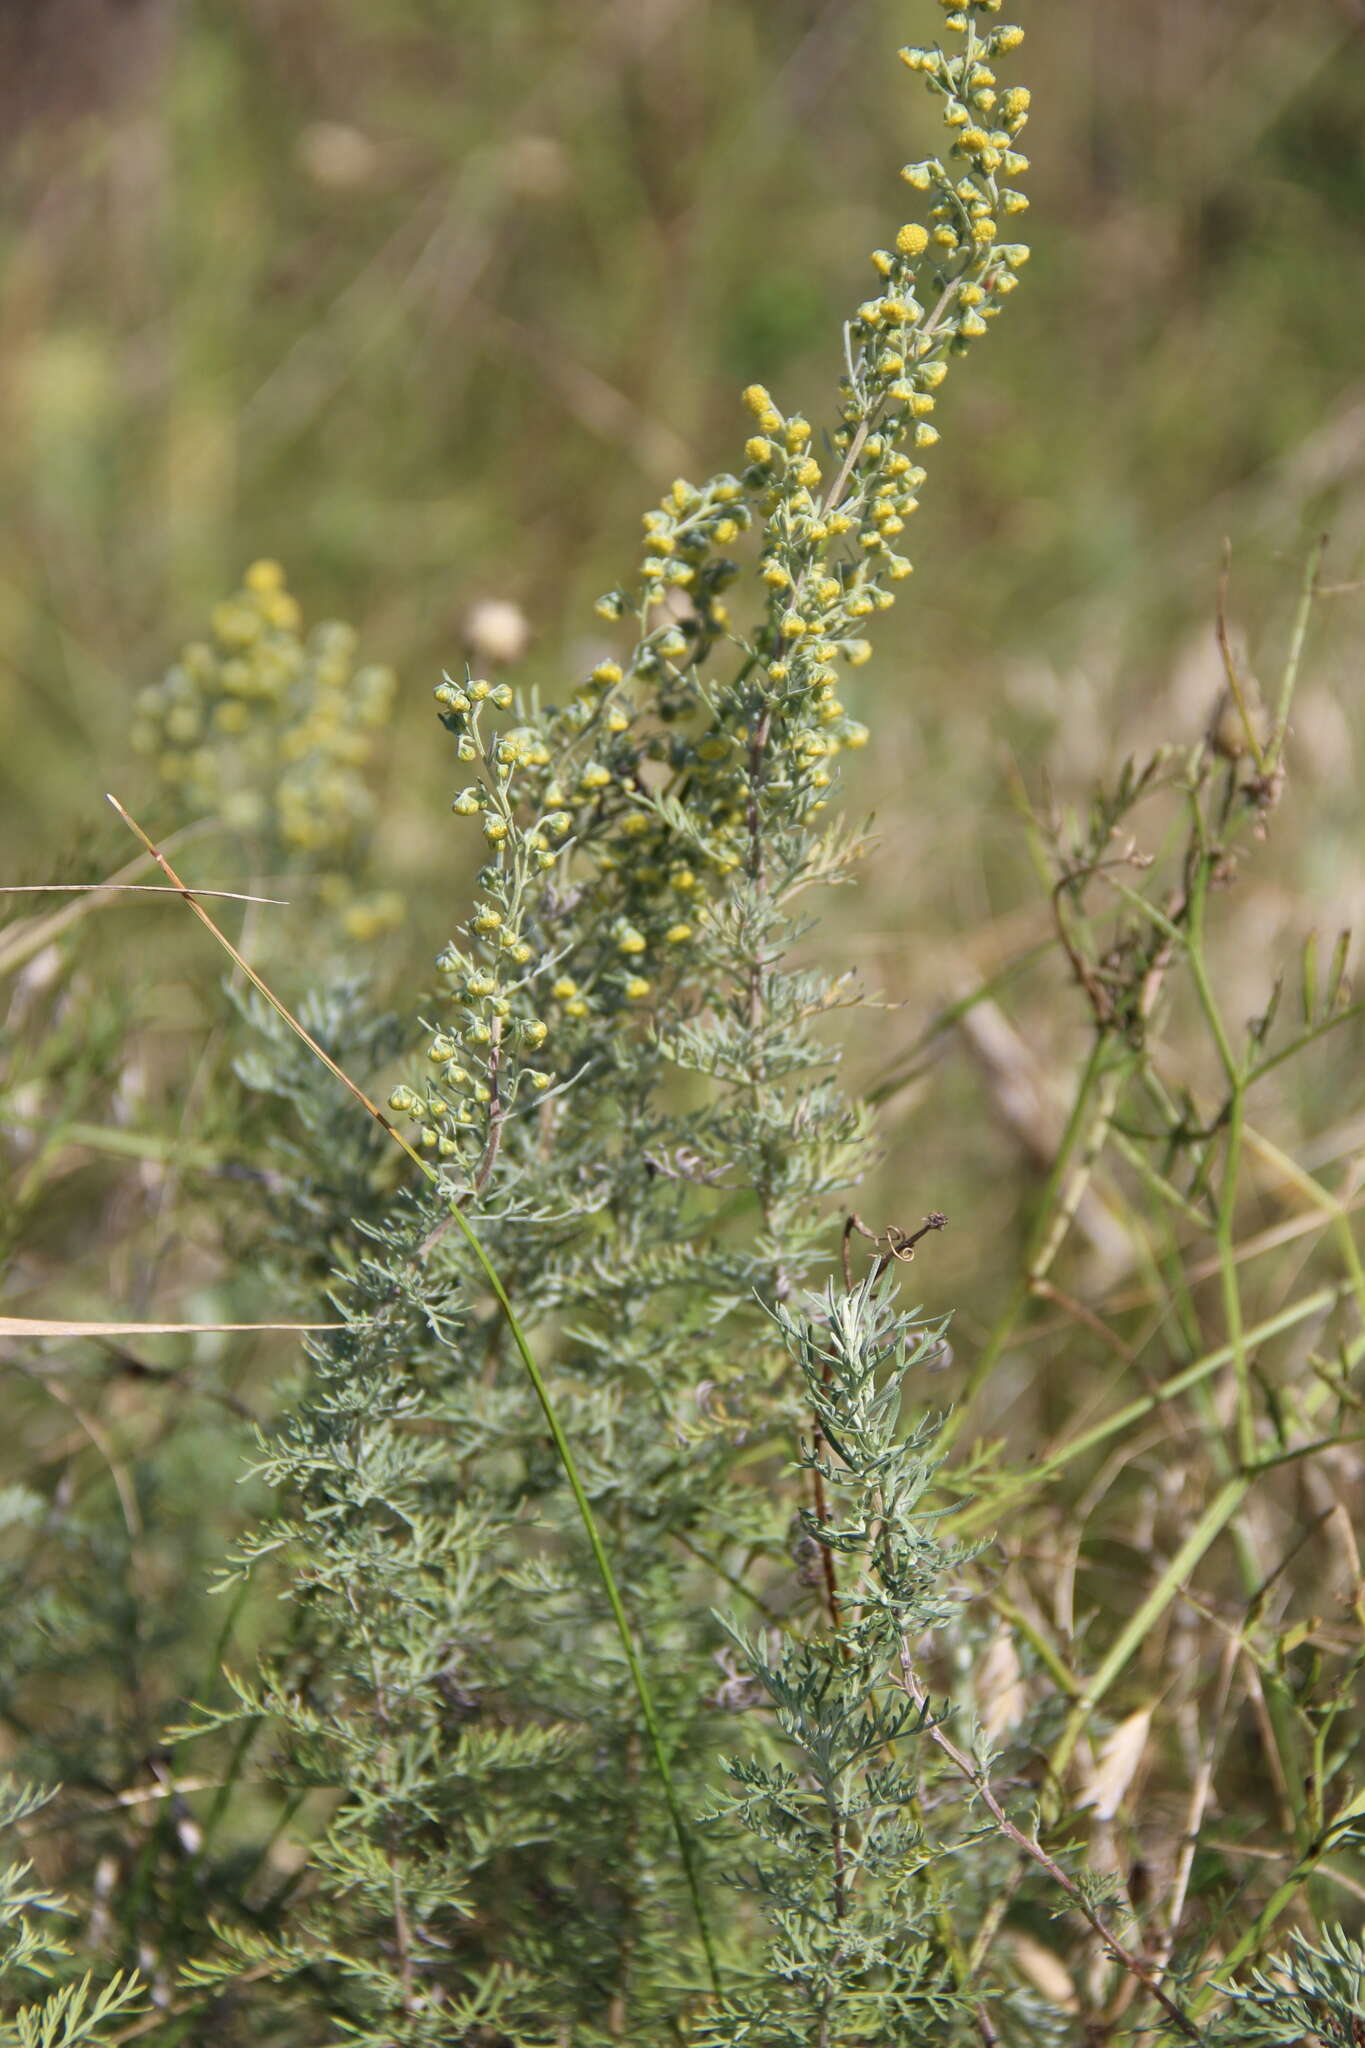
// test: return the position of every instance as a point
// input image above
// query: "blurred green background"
(430, 300)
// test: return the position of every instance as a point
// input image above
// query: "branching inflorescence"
(629, 1094)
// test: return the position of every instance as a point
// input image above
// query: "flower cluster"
(524, 970)
(618, 822)
(272, 732)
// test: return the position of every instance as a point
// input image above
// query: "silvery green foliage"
(33, 1953)
(80, 2012)
(29, 1911)
(630, 1090)
(1316, 1992)
(848, 1871)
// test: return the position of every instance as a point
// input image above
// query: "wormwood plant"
(629, 1681)
(629, 1093)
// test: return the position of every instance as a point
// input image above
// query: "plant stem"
(1033, 1849)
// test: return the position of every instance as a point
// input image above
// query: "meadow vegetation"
(717, 1399)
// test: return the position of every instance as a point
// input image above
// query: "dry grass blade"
(263, 990)
(130, 889)
(41, 1326)
(19, 943)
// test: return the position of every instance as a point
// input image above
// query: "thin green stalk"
(1347, 1821)
(1345, 1015)
(1307, 593)
(982, 1515)
(1167, 1588)
(1225, 1226)
(553, 1424)
(1225, 1240)
(905, 1069)
(123, 1144)
(1278, 1706)
(1322, 1199)
(637, 1671)
(1157, 1183)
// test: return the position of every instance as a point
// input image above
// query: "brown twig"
(900, 1244)
(1135, 1965)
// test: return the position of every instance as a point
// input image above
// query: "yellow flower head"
(264, 578)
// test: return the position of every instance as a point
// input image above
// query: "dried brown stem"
(1136, 1966)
